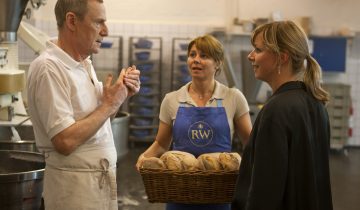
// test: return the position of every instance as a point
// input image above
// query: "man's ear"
(71, 20)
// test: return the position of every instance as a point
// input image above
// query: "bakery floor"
(345, 180)
(131, 192)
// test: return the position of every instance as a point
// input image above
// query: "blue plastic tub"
(143, 43)
(106, 44)
(140, 133)
(145, 78)
(185, 78)
(144, 110)
(183, 57)
(145, 67)
(183, 68)
(142, 121)
(183, 46)
(146, 100)
(145, 90)
(142, 56)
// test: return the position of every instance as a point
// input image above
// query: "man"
(71, 110)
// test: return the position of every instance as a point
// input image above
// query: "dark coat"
(285, 166)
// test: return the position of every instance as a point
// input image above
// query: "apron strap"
(219, 102)
(104, 163)
(184, 104)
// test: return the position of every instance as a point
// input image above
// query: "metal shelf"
(146, 54)
(179, 72)
(109, 58)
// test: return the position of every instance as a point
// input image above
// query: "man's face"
(92, 29)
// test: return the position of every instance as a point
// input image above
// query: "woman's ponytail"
(312, 78)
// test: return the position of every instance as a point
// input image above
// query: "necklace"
(201, 97)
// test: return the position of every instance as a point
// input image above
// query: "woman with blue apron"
(200, 130)
(194, 119)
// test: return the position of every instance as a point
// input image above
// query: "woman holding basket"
(200, 105)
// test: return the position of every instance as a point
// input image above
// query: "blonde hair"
(211, 47)
(286, 36)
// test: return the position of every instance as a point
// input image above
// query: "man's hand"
(132, 80)
(115, 94)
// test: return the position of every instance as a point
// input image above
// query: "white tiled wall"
(353, 72)
(126, 30)
(168, 31)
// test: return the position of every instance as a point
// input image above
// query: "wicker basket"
(192, 187)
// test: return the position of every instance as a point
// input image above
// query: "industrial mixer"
(12, 79)
(21, 173)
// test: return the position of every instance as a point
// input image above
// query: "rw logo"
(200, 133)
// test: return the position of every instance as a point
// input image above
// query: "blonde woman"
(286, 162)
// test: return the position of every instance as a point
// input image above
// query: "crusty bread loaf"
(229, 161)
(183, 161)
(179, 161)
(209, 161)
(171, 161)
(152, 163)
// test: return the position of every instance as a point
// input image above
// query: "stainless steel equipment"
(120, 129)
(22, 145)
(12, 80)
(21, 173)
(25, 132)
(21, 180)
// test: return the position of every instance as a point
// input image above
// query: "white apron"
(84, 180)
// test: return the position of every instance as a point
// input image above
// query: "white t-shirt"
(233, 101)
(61, 92)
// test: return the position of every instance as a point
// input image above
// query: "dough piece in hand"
(179, 161)
(152, 163)
(230, 161)
(209, 161)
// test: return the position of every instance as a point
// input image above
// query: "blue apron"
(200, 130)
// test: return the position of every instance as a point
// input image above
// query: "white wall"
(190, 18)
(210, 12)
(328, 15)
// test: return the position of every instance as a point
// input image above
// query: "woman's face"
(264, 62)
(201, 66)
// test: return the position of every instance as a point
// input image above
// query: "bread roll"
(171, 161)
(230, 161)
(179, 161)
(189, 162)
(209, 161)
(152, 163)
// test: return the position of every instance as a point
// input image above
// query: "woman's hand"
(139, 161)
